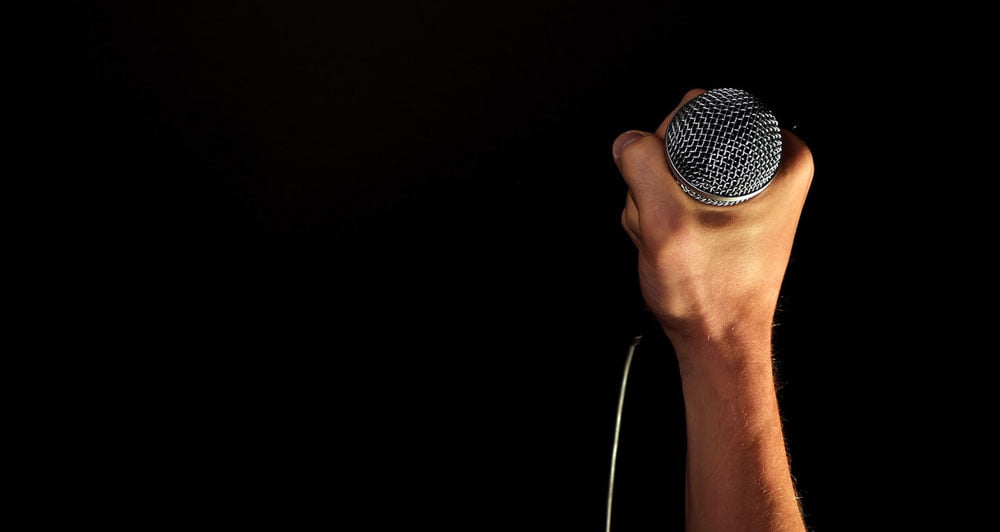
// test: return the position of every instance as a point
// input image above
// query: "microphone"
(724, 147)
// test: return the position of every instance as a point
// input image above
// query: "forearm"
(737, 468)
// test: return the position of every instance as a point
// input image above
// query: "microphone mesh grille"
(724, 146)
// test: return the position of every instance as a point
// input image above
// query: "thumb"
(642, 160)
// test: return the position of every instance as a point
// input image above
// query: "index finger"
(661, 131)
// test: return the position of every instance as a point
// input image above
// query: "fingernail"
(624, 140)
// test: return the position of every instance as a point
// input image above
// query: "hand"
(711, 275)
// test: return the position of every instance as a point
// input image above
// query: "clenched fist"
(709, 274)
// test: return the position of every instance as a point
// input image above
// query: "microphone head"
(724, 147)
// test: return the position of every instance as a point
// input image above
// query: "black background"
(300, 263)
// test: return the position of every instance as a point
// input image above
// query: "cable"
(618, 426)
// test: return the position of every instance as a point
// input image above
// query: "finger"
(641, 159)
(630, 136)
(643, 165)
(632, 215)
(633, 236)
(796, 171)
(630, 219)
(661, 131)
(623, 141)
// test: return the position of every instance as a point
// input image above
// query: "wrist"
(730, 380)
(725, 352)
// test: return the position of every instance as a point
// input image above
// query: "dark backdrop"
(295, 263)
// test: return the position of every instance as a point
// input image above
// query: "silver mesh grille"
(724, 147)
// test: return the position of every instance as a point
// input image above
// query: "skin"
(711, 276)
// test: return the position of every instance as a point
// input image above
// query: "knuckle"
(796, 153)
(806, 157)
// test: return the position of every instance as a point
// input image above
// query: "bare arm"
(712, 275)
(737, 471)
